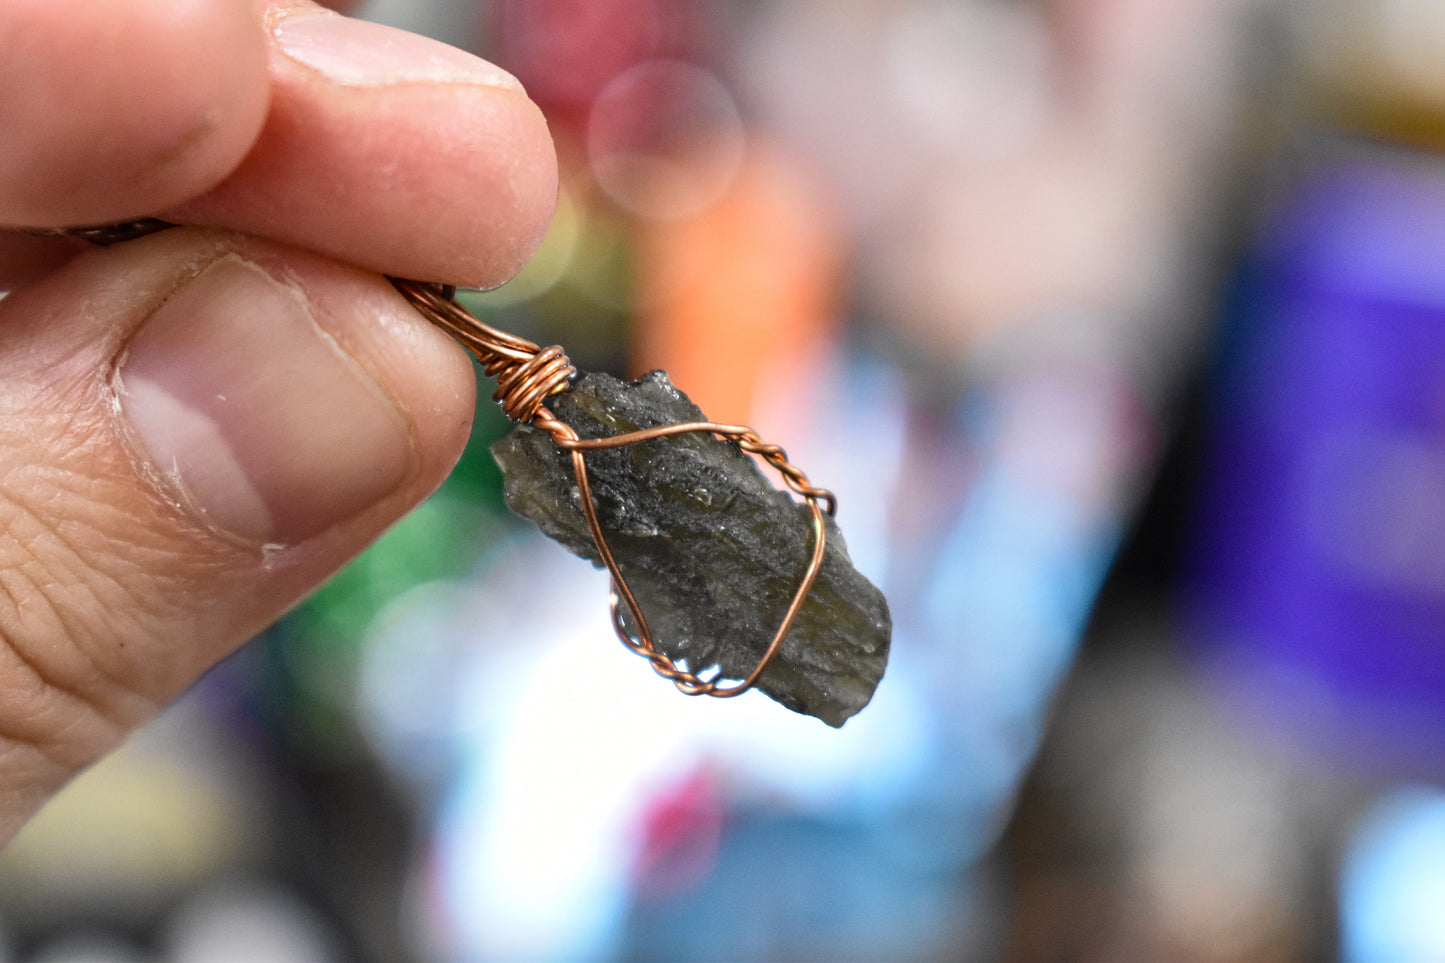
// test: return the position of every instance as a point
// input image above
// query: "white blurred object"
(664, 139)
(240, 922)
(1392, 886)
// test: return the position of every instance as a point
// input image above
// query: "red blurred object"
(566, 51)
(681, 832)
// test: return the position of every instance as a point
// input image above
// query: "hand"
(198, 427)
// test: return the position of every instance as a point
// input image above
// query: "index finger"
(113, 109)
(391, 151)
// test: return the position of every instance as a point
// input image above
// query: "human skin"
(198, 427)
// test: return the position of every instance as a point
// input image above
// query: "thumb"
(196, 429)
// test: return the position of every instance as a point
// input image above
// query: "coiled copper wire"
(527, 375)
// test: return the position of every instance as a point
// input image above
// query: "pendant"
(721, 581)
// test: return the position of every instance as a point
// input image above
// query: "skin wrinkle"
(25, 761)
(47, 374)
(117, 581)
(82, 552)
(31, 695)
(96, 482)
(35, 615)
(85, 613)
(84, 555)
(43, 684)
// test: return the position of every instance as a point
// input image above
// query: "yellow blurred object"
(136, 831)
(1382, 64)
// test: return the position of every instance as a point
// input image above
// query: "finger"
(390, 151)
(118, 108)
(24, 258)
(197, 429)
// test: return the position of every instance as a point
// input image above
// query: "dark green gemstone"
(711, 550)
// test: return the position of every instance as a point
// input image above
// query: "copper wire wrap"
(526, 376)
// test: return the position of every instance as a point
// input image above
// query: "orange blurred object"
(743, 293)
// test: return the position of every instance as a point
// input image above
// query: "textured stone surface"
(712, 551)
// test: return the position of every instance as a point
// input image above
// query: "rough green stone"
(712, 551)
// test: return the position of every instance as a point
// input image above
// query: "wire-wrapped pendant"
(720, 580)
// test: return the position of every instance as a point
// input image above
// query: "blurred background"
(1118, 326)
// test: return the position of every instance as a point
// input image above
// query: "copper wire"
(642, 643)
(527, 375)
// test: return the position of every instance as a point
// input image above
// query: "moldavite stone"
(712, 551)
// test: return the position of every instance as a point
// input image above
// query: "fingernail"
(251, 416)
(359, 53)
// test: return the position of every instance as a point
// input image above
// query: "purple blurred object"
(1318, 572)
